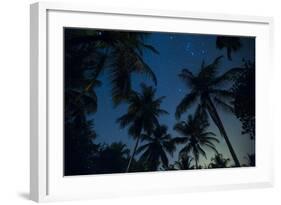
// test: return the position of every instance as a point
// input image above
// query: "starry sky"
(176, 51)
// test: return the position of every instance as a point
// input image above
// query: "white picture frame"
(47, 182)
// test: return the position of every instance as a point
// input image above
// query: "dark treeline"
(91, 53)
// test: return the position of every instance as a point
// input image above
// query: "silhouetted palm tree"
(184, 162)
(158, 145)
(230, 43)
(206, 87)
(118, 52)
(219, 162)
(142, 114)
(194, 135)
(127, 59)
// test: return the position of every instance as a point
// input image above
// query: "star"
(203, 52)
(171, 37)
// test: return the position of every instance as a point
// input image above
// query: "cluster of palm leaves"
(90, 53)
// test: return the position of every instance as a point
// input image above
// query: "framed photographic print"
(127, 102)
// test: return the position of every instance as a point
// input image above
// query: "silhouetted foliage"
(207, 88)
(251, 159)
(111, 159)
(79, 146)
(244, 99)
(87, 54)
(142, 114)
(194, 135)
(219, 161)
(90, 52)
(94, 58)
(232, 44)
(157, 146)
(184, 162)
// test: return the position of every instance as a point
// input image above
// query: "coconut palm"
(158, 145)
(194, 135)
(118, 52)
(219, 162)
(206, 89)
(142, 114)
(232, 44)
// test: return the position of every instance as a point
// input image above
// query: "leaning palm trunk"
(133, 154)
(215, 116)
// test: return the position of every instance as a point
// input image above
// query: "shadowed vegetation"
(231, 44)
(219, 162)
(194, 135)
(207, 88)
(120, 88)
(158, 146)
(142, 115)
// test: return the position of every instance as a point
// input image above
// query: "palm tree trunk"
(215, 116)
(133, 154)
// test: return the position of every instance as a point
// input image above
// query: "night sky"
(176, 51)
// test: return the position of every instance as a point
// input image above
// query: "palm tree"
(230, 43)
(219, 162)
(142, 114)
(159, 145)
(206, 87)
(184, 162)
(194, 135)
(118, 52)
(127, 59)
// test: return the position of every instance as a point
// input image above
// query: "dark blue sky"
(176, 51)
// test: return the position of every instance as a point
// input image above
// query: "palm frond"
(150, 47)
(186, 102)
(187, 76)
(226, 107)
(230, 75)
(142, 67)
(142, 148)
(180, 140)
(210, 70)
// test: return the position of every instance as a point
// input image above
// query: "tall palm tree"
(142, 114)
(194, 135)
(219, 162)
(159, 145)
(207, 88)
(118, 52)
(232, 44)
